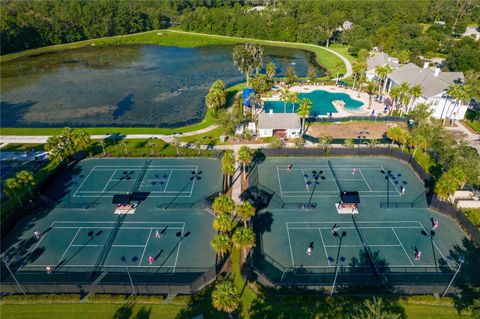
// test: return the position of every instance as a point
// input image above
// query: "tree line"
(403, 28)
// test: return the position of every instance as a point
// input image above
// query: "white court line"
(348, 267)
(360, 170)
(145, 247)
(348, 227)
(103, 222)
(445, 259)
(404, 250)
(71, 242)
(186, 195)
(360, 245)
(104, 266)
(178, 250)
(279, 182)
(126, 246)
(108, 182)
(28, 256)
(193, 183)
(133, 167)
(168, 181)
(79, 187)
(359, 222)
(339, 165)
(305, 180)
(103, 227)
(324, 247)
(290, 245)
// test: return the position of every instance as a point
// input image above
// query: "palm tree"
(418, 140)
(460, 94)
(396, 134)
(223, 204)
(338, 66)
(348, 142)
(198, 145)
(25, 180)
(395, 95)
(176, 142)
(372, 142)
(81, 140)
(404, 98)
(245, 211)
(294, 98)
(225, 297)
(254, 100)
(311, 74)
(285, 97)
(370, 91)
(102, 144)
(324, 140)
(54, 146)
(242, 60)
(374, 309)
(13, 189)
(244, 239)
(420, 114)
(270, 69)
(228, 167)
(382, 71)
(357, 67)
(245, 155)
(124, 144)
(223, 223)
(304, 111)
(221, 244)
(416, 91)
(151, 144)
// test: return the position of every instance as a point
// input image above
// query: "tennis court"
(305, 238)
(163, 237)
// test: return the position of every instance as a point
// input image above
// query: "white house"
(346, 25)
(279, 124)
(434, 85)
(379, 59)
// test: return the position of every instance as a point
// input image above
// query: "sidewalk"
(472, 138)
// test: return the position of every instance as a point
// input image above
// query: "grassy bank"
(181, 39)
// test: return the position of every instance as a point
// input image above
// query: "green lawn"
(474, 125)
(343, 50)
(89, 311)
(423, 311)
(206, 122)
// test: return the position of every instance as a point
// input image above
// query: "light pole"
(461, 260)
(339, 263)
(388, 174)
(6, 260)
(313, 180)
(124, 260)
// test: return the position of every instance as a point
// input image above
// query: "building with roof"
(286, 125)
(377, 59)
(346, 25)
(434, 85)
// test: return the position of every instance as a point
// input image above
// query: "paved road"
(347, 63)
(472, 138)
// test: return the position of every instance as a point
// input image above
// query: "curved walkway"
(41, 139)
(347, 63)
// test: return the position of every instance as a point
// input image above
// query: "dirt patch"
(352, 129)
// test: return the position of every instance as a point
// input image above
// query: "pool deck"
(341, 111)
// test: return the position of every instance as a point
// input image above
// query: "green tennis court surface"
(164, 238)
(301, 197)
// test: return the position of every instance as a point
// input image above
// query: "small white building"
(279, 124)
(377, 59)
(434, 85)
(346, 25)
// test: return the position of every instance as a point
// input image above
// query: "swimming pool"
(322, 103)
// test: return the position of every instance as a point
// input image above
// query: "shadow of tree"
(309, 306)
(200, 304)
(124, 312)
(143, 313)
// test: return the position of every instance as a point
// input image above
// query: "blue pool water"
(322, 103)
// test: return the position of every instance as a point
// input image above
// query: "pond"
(128, 85)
